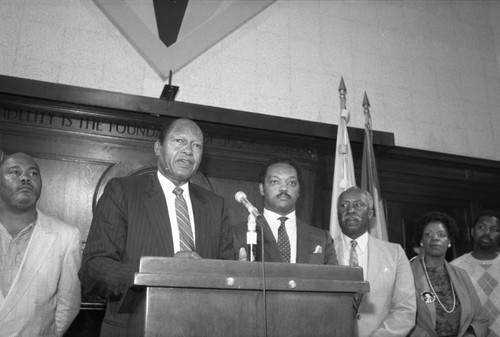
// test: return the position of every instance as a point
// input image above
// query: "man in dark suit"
(150, 216)
(286, 237)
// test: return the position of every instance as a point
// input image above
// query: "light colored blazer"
(45, 295)
(472, 311)
(388, 310)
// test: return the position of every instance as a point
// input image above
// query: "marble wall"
(430, 68)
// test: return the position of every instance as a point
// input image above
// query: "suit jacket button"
(358, 317)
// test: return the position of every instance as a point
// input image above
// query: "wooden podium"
(181, 297)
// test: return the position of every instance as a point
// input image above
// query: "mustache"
(485, 236)
(283, 194)
(351, 215)
(25, 185)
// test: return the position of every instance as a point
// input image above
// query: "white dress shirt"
(290, 226)
(361, 250)
(168, 189)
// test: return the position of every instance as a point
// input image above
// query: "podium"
(182, 297)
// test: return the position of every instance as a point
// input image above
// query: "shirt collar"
(168, 186)
(362, 241)
(24, 231)
(272, 217)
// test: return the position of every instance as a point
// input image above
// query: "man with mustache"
(388, 310)
(483, 265)
(39, 257)
(162, 214)
(286, 237)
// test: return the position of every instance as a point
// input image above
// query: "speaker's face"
(181, 151)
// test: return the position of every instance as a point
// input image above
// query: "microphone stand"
(255, 219)
(251, 238)
(261, 223)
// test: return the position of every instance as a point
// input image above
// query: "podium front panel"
(227, 299)
(163, 312)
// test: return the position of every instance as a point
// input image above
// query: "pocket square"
(318, 250)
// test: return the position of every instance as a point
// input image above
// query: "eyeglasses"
(440, 235)
(357, 205)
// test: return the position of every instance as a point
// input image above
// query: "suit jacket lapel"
(372, 261)
(202, 232)
(271, 250)
(304, 243)
(337, 242)
(422, 286)
(156, 210)
(41, 242)
(460, 289)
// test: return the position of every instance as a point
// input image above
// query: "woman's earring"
(421, 244)
(449, 245)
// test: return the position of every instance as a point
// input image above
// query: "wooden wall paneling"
(83, 137)
(422, 182)
(96, 135)
(81, 146)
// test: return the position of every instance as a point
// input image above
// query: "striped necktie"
(283, 240)
(185, 231)
(353, 257)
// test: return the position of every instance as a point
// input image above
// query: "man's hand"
(187, 255)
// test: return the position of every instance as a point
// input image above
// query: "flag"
(369, 179)
(343, 173)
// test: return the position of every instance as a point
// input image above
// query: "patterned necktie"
(185, 232)
(283, 241)
(353, 257)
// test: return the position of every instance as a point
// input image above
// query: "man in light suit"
(39, 257)
(389, 308)
(280, 187)
(137, 216)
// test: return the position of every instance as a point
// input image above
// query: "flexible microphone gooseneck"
(241, 197)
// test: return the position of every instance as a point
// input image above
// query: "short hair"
(279, 160)
(369, 197)
(167, 127)
(487, 212)
(448, 222)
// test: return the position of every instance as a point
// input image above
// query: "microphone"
(241, 197)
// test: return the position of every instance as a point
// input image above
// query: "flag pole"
(369, 177)
(343, 175)
(344, 119)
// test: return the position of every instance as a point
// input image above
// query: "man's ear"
(370, 213)
(157, 147)
(261, 189)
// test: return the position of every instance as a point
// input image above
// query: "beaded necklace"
(435, 293)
